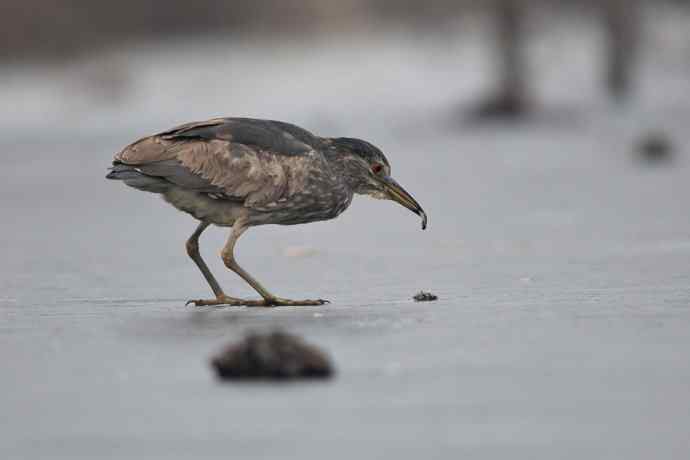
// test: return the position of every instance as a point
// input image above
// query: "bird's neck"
(347, 169)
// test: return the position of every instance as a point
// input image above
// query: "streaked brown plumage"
(242, 172)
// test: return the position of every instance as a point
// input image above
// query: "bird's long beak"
(399, 194)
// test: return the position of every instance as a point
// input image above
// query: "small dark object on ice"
(276, 355)
(422, 296)
(655, 147)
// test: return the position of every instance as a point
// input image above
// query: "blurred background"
(318, 61)
(547, 140)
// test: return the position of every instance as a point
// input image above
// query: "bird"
(244, 172)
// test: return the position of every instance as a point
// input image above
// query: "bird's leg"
(269, 300)
(192, 246)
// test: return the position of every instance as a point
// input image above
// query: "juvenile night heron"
(242, 172)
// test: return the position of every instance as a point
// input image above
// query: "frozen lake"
(561, 264)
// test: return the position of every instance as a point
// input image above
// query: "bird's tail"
(122, 172)
(133, 177)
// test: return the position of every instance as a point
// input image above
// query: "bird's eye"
(376, 168)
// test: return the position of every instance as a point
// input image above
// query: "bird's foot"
(270, 302)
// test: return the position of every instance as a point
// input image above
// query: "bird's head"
(368, 172)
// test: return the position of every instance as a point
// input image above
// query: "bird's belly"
(218, 212)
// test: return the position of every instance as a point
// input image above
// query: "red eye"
(376, 168)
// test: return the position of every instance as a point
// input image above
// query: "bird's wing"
(258, 162)
(277, 136)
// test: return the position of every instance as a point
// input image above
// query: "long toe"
(280, 302)
(225, 300)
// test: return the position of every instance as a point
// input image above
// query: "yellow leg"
(269, 300)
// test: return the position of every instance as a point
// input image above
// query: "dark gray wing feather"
(172, 171)
(276, 136)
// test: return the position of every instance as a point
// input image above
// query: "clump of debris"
(276, 355)
(422, 296)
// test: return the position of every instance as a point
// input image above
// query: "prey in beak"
(396, 192)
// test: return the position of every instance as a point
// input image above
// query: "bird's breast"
(322, 196)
